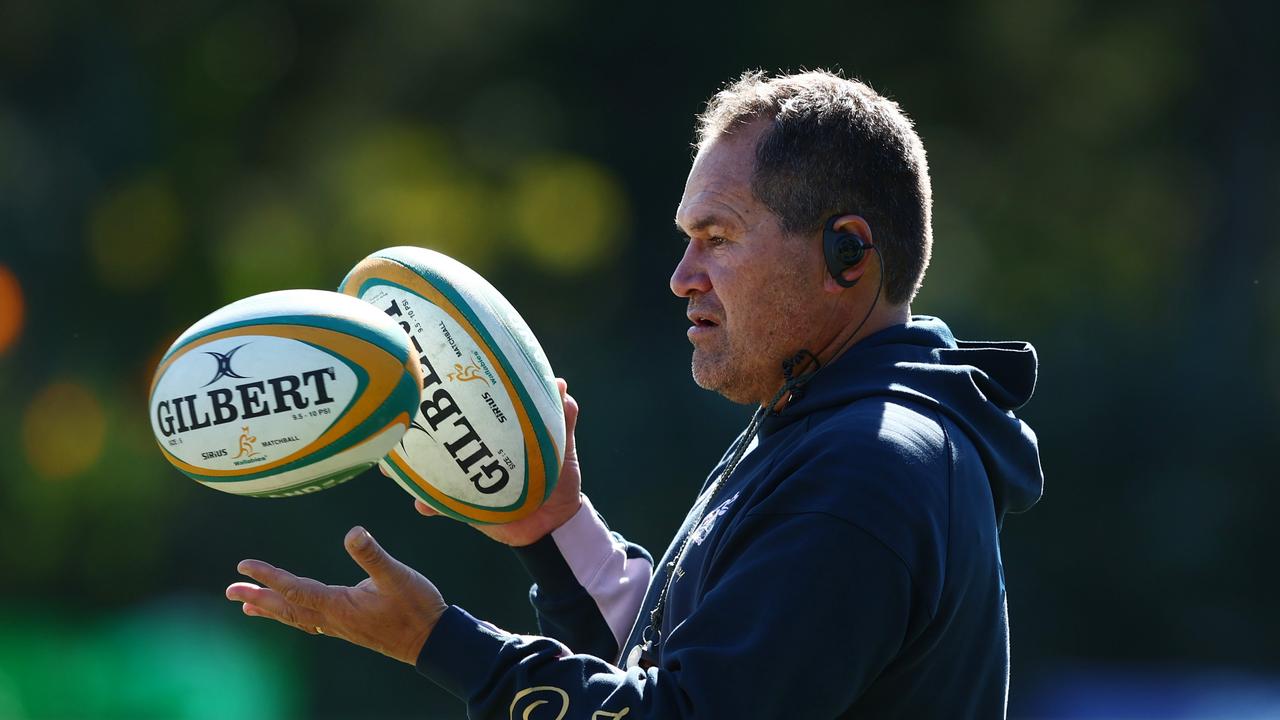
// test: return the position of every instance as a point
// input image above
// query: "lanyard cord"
(651, 636)
(645, 654)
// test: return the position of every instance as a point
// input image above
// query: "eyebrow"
(705, 222)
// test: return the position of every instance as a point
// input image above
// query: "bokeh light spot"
(570, 212)
(269, 246)
(400, 184)
(146, 374)
(12, 309)
(63, 430)
(388, 154)
(445, 217)
(134, 233)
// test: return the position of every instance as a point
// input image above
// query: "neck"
(839, 343)
(881, 318)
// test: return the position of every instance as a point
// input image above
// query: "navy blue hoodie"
(848, 568)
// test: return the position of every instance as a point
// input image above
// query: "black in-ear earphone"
(842, 250)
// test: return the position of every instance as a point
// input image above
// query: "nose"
(690, 276)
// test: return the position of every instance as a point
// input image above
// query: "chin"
(720, 379)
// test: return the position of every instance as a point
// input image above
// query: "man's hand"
(392, 611)
(558, 508)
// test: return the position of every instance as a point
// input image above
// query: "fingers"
(265, 602)
(424, 509)
(368, 554)
(570, 406)
(296, 590)
(570, 414)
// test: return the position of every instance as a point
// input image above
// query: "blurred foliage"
(134, 233)
(1106, 186)
(193, 669)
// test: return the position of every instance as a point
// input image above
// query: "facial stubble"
(745, 365)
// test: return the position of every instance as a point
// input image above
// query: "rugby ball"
(284, 393)
(488, 439)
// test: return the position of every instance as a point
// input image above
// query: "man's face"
(753, 291)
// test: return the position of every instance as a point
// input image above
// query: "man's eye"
(713, 241)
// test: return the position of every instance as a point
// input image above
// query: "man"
(843, 559)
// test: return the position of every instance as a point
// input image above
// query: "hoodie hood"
(977, 385)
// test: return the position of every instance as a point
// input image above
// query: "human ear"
(845, 242)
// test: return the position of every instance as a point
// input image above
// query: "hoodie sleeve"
(589, 583)
(748, 650)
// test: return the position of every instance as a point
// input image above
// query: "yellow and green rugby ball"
(488, 438)
(285, 393)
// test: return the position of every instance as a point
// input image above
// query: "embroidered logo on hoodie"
(704, 527)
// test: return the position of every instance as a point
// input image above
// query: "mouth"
(703, 323)
(702, 318)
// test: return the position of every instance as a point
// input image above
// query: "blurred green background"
(1106, 186)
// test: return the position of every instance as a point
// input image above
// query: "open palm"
(392, 611)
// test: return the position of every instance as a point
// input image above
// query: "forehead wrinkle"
(707, 212)
(716, 193)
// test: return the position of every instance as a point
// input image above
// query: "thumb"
(570, 408)
(368, 554)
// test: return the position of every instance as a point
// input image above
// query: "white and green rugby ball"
(487, 441)
(284, 393)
